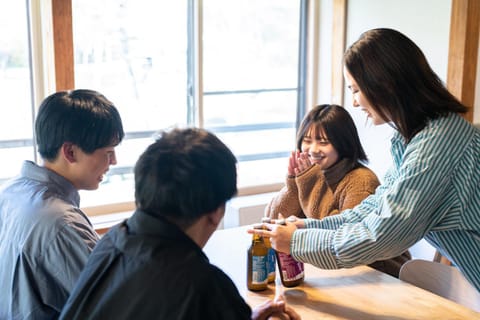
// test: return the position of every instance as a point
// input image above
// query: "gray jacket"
(45, 240)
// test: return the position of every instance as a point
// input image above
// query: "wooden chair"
(441, 279)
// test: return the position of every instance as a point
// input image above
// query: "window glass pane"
(16, 142)
(262, 154)
(135, 53)
(250, 44)
(250, 75)
(248, 108)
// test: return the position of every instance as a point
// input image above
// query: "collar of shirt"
(54, 181)
(153, 227)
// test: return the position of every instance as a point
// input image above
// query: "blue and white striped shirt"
(432, 190)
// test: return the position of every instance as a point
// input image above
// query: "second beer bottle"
(291, 271)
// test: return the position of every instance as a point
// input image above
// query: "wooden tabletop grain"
(356, 293)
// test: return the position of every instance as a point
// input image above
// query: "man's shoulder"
(59, 224)
(183, 259)
(182, 275)
(32, 213)
(19, 187)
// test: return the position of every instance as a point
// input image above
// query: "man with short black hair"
(45, 238)
(152, 265)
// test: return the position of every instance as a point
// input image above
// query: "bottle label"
(259, 270)
(271, 262)
(291, 268)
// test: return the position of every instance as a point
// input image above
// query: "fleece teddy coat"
(317, 193)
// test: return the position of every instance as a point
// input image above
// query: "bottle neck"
(257, 238)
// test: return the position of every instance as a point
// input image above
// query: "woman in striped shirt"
(432, 190)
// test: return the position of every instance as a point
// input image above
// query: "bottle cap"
(280, 221)
(292, 219)
(257, 226)
(266, 220)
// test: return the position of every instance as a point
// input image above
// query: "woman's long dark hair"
(394, 75)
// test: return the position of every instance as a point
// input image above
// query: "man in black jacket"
(152, 265)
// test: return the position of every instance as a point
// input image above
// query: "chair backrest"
(441, 279)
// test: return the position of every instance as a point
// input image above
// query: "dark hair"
(395, 77)
(339, 127)
(83, 117)
(184, 174)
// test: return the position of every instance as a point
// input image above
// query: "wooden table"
(357, 293)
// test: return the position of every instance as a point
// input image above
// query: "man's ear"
(68, 152)
(216, 216)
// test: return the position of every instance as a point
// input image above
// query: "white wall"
(427, 23)
(324, 92)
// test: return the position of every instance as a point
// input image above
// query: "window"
(16, 132)
(250, 76)
(240, 81)
(148, 62)
(137, 59)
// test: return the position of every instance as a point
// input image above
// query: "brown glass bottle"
(257, 278)
(291, 271)
(271, 258)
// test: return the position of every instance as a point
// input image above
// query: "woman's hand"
(302, 163)
(298, 222)
(280, 235)
(292, 163)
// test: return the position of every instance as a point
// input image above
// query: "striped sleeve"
(410, 205)
(358, 213)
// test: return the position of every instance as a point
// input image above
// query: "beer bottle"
(291, 271)
(257, 253)
(271, 259)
